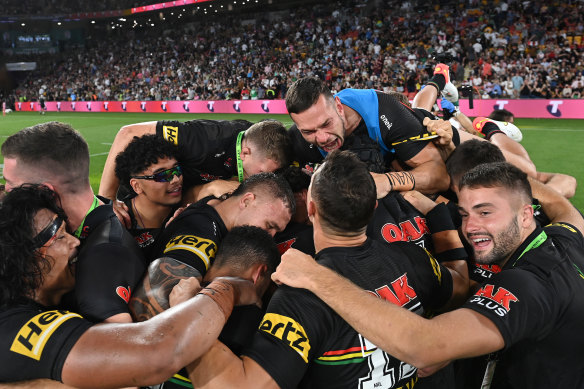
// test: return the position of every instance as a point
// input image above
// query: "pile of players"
(408, 252)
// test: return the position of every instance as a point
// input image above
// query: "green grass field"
(553, 144)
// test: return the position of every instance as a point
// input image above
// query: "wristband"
(438, 219)
(222, 293)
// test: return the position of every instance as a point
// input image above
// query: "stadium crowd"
(527, 49)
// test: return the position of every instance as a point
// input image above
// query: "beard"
(504, 244)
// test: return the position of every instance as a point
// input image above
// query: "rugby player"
(188, 245)
(41, 341)
(374, 125)
(149, 168)
(110, 262)
(529, 314)
(211, 150)
(299, 338)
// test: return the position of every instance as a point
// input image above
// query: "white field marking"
(98, 154)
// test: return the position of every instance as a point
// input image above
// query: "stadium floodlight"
(93, 22)
(58, 24)
(22, 24)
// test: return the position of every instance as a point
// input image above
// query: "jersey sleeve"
(189, 137)
(398, 123)
(105, 278)
(192, 246)
(517, 302)
(39, 346)
(288, 336)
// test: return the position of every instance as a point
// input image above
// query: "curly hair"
(140, 153)
(21, 267)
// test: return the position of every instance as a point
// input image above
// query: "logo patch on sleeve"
(498, 301)
(288, 331)
(205, 249)
(34, 335)
(170, 134)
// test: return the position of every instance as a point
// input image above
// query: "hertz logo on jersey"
(30, 341)
(205, 249)
(170, 134)
(287, 330)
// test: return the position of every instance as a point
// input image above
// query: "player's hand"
(122, 212)
(219, 188)
(295, 269)
(419, 201)
(176, 213)
(441, 127)
(382, 185)
(245, 292)
(184, 290)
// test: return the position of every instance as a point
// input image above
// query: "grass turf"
(553, 144)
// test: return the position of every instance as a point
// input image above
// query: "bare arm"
(109, 182)
(401, 333)
(147, 353)
(563, 183)
(215, 188)
(429, 171)
(151, 296)
(220, 368)
(556, 206)
(35, 384)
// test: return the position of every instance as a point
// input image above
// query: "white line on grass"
(98, 154)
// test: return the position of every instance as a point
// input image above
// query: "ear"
(245, 151)
(339, 106)
(526, 215)
(311, 209)
(257, 272)
(246, 200)
(135, 184)
(49, 185)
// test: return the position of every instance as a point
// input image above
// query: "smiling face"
(494, 223)
(61, 252)
(322, 124)
(159, 193)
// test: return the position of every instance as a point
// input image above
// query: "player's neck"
(149, 214)
(352, 120)
(324, 238)
(77, 206)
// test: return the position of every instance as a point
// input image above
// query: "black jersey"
(110, 264)
(296, 235)
(207, 147)
(193, 236)
(145, 237)
(536, 303)
(396, 123)
(303, 342)
(396, 220)
(35, 341)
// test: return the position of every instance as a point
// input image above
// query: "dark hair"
(269, 184)
(497, 174)
(54, 148)
(296, 178)
(305, 92)
(344, 192)
(21, 268)
(245, 246)
(141, 153)
(272, 140)
(501, 115)
(400, 97)
(470, 154)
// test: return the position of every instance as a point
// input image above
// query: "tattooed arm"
(151, 296)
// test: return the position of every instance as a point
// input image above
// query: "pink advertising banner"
(189, 106)
(533, 108)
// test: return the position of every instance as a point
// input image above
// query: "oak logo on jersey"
(400, 292)
(170, 134)
(406, 231)
(486, 271)
(31, 339)
(498, 301)
(287, 330)
(205, 249)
